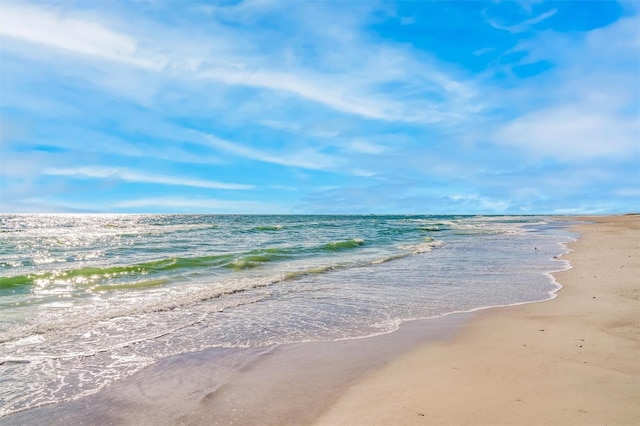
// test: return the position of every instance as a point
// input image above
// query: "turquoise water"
(86, 300)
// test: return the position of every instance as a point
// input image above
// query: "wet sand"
(280, 385)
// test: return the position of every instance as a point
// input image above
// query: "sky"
(314, 107)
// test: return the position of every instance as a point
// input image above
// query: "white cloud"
(200, 204)
(362, 173)
(244, 10)
(158, 204)
(54, 28)
(526, 4)
(481, 203)
(630, 191)
(42, 205)
(281, 125)
(572, 133)
(585, 107)
(351, 81)
(366, 147)
(133, 176)
(307, 158)
(524, 25)
(330, 92)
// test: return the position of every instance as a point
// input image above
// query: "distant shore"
(574, 360)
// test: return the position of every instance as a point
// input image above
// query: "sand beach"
(574, 360)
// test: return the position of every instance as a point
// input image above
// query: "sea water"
(87, 300)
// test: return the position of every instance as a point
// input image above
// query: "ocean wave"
(17, 281)
(436, 227)
(90, 275)
(424, 247)
(83, 316)
(259, 257)
(266, 228)
(344, 245)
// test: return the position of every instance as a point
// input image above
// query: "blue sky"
(265, 106)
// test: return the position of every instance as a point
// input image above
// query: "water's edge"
(224, 379)
(224, 385)
(227, 384)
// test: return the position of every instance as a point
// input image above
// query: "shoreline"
(275, 385)
(324, 383)
(572, 360)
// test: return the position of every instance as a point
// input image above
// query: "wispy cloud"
(523, 25)
(594, 113)
(572, 134)
(355, 91)
(201, 205)
(90, 172)
(306, 158)
(366, 147)
(53, 27)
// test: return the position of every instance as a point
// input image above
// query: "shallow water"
(87, 300)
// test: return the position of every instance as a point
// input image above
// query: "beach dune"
(574, 360)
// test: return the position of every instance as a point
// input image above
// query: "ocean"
(88, 300)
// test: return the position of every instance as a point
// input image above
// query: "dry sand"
(574, 360)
